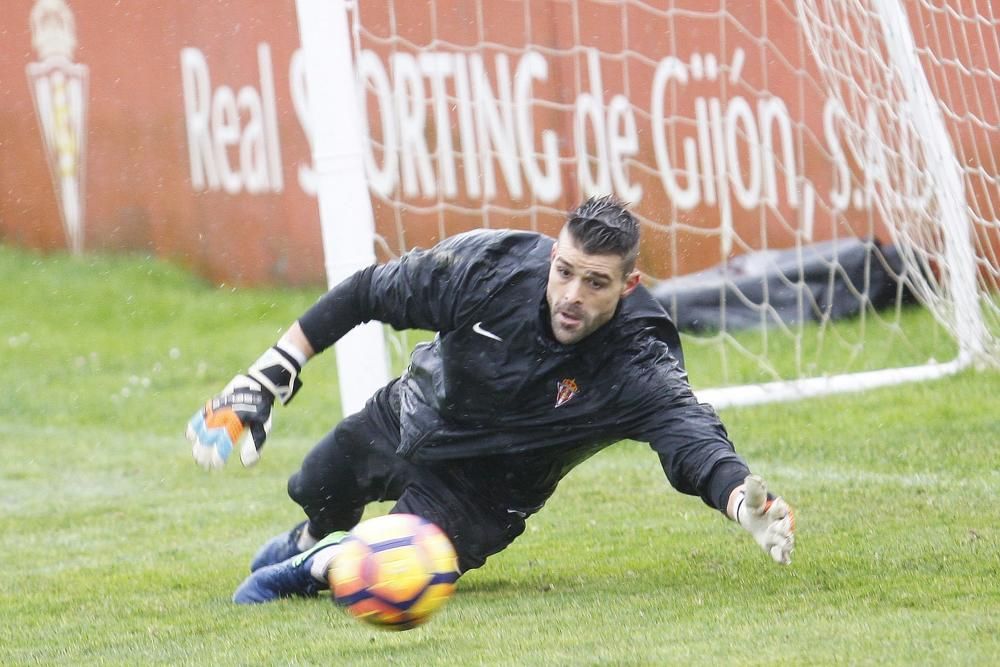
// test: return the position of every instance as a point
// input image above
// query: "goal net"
(760, 144)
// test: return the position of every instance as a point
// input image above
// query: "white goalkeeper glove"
(246, 402)
(770, 520)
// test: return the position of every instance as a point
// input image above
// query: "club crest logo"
(59, 91)
(565, 390)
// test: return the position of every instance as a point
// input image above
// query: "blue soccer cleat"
(291, 577)
(278, 548)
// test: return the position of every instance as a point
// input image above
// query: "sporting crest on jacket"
(565, 390)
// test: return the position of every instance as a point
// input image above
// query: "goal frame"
(327, 38)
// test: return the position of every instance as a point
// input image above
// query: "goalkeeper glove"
(245, 402)
(770, 520)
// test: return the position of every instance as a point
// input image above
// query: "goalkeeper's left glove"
(770, 520)
(244, 403)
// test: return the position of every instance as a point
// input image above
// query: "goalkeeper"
(547, 351)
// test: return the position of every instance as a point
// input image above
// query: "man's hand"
(770, 520)
(246, 402)
(216, 429)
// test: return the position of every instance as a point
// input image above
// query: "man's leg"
(476, 523)
(302, 575)
(351, 466)
(356, 464)
(477, 529)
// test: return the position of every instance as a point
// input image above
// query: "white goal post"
(738, 130)
(346, 221)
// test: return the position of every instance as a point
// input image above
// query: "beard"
(569, 323)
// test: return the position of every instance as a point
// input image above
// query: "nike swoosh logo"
(478, 328)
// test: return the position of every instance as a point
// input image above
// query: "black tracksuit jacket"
(494, 384)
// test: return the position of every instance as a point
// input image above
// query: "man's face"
(583, 289)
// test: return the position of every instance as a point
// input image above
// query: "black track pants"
(356, 463)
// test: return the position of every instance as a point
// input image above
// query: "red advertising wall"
(178, 129)
(137, 182)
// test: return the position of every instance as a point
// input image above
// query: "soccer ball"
(394, 571)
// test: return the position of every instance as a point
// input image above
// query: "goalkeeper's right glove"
(216, 429)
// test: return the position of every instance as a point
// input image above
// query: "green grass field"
(117, 549)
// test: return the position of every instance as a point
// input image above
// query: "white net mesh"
(737, 130)
(924, 112)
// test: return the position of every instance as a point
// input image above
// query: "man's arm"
(699, 459)
(426, 289)
(246, 403)
(731, 488)
(432, 289)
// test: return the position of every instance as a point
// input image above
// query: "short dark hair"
(604, 226)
